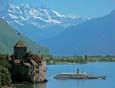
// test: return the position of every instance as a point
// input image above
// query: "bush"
(5, 77)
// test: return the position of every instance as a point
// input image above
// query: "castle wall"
(20, 73)
(19, 52)
(42, 71)
(27, 67)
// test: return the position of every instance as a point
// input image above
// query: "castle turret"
(20, 50)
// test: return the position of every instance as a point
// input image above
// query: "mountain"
(9, 37)
(44, 22)
(93, 37)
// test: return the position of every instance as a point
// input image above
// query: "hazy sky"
(3, 4)
(83, 8)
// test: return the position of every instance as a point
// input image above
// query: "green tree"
(5, 77)
(86, 57)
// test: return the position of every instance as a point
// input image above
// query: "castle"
(25, 66)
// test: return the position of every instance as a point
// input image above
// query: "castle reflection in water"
(39, 85)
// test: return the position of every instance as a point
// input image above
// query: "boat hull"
(78, 76)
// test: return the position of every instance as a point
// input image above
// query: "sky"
(83, 8)
(3, 4)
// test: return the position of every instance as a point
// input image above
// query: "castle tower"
(20, 50)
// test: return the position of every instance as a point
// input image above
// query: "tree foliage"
(78, 59)
(5, 77)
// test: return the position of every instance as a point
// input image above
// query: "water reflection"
(96, 68)
(39, 85)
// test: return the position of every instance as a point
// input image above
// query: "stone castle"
(25, 66)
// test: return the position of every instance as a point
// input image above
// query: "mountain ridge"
(93, 37)
(46, 22)
(9, 37)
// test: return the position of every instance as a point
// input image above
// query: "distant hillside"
(8, 38)
(94, 37)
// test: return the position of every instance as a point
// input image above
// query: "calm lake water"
(93, 68)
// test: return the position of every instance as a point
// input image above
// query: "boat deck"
(78, 76)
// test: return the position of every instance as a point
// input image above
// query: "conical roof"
(20, 44)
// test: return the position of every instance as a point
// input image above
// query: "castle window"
(37, 66)
(40, 62)
(44, 70)
(37, 71)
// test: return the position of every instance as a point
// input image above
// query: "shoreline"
(80, 63)
(78, 59)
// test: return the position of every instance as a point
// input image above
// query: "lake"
(100, 68)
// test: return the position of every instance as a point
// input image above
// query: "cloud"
(3, 5)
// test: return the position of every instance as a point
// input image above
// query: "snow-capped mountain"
(32, 18)
(40, 17)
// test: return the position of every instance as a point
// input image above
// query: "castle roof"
(8, 58)
(39, 57)
(27, 64)
(20, 44)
